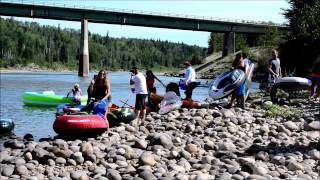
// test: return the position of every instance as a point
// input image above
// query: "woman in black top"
(99, 90)
(101, 87)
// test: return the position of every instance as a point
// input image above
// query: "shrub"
(286, 112)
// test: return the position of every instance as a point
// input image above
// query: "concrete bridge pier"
(84, 50)
(228, 43)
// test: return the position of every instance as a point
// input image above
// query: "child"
(77, 93)
(154, 100)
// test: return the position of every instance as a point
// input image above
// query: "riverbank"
(30, 68)
(184, 144)
(35, 68)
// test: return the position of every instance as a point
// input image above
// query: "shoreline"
(203, 143)
(16, 70)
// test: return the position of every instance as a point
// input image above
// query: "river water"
(38, 121)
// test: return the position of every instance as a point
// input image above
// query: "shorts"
(271, 80)
(76, 102)
(241, 90)
(140, 101)
(189, 89)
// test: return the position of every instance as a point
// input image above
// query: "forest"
(29, 42)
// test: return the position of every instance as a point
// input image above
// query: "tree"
(64, 53)
(270, 38)
(196, 59)
(241, 42)
(303, 41)
(211, 47)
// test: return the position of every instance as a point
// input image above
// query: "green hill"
(26, 43)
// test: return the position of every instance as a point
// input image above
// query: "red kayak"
(195, 104)
(80, 125)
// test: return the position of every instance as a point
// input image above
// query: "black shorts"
(189, 89)
(140, 101)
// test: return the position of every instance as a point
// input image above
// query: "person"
(139, 86)
(150, 77)
(99, 90)
(315, 79)
(173, 87)
(239, 93)
(246, 60)
(77, 93)
(247, 63)
(190, 81)
(90, 88)
(274, 68)
(154, 100)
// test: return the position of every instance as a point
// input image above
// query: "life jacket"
(150, 82)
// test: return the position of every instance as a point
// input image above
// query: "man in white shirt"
(190, 81)
(140, 88)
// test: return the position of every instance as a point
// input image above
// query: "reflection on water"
(38, 120)
(37, 108)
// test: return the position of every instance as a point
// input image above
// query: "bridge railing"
(42, 3)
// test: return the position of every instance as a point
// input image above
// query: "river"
(39, 121)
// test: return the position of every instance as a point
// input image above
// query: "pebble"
(147, 158)
(214, 143)
(147, 175)
(315, 125)
(294, 166)
(191, 148)
(22, 170)
(7, 170)
(314, 154)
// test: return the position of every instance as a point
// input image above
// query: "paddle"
(125, 103)
(150, 74)
(160, 82)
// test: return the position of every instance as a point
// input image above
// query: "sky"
(256, 10)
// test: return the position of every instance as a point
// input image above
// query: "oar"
(160, 82)
(125, 103)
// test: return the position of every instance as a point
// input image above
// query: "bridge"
(134, 18)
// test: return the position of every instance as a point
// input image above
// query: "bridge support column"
(228, 43)
(84, 50)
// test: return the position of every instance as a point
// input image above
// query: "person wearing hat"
(189, 81)
(77, 93)
(139, 86)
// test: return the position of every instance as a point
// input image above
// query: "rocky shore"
(200, 144)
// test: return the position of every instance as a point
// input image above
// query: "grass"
(286, 112)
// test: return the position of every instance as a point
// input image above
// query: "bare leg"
(242, 101)
(143, 115)
(233, 97)
(317, 91)
(136, 120)
(190, 102)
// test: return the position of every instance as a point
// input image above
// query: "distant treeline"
(270, 39)
(28, 42)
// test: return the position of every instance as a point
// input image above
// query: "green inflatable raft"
(48, 98)
(125, 115)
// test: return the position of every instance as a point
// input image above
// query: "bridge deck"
(133, 18)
